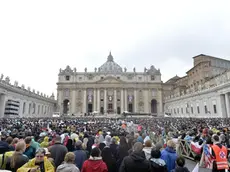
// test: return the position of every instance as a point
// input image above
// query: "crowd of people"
(110, 145)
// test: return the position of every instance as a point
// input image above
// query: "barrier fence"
(184, 149)
(187, 150)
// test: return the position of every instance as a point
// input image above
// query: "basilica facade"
(110, 89)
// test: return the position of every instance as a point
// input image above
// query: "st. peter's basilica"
(110, 89)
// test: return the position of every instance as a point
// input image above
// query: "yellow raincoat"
(45, 142)
(31, 164)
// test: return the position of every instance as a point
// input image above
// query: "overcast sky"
(39, 37)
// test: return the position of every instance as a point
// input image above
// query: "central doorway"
(102, 110)
(90, 108)
(118, 110)
(130, 108)
(153, 106)
(66, 106)
(110, 108)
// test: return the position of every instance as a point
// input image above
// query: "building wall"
(102, 89)
(31, 104)
(214, 94)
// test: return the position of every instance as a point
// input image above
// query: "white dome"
(110, 66)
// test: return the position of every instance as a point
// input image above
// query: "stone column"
(135, 101)
(126, 103)
(122, 100)
(209, 106)
(27, 112)
(105, 100)
(21, 109)
(84, 102)
(115, 100)
(227, 104)
(2, 104)
(98, 100)
(94, 99)
(60, 101)
(146, 101)
(223, 106)
(160, 103)
(218, 107)
(73, 103)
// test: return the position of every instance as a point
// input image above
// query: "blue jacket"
(140, 139)
(80, 157)
(169, 156)
(4, 147)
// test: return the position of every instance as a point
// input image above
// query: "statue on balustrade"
(1, 77)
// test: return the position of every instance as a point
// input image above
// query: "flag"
(208, 158)
(196, 148)
(196, 168)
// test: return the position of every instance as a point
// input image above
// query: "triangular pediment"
(110, 79)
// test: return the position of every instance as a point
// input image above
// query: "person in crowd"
(80, 154)
(159, 146)
(30, 151)
(147, 149)
(109, 159)
(95, 162)
(48, 156)
(90, 142)
(140, 139)
(85, 142)
(157, 164)
(130, 142)
(45, 143)
(101, 146)
(114, 147)
(4, 146)
(14, 142)
(189, 137)
(9, 141)
(169, 155)
(34, 144)
(136, 162)
(96, 142)
(107, 140)
(58, 151)
(69, 164)
(18, 159)
(220, 155)
(122, 151)
(39, 163)
(180, 162)
(101, 138)
(131, 149)
(70, 145)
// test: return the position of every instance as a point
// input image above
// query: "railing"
(184, 149)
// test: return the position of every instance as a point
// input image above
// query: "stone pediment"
(110, 80)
